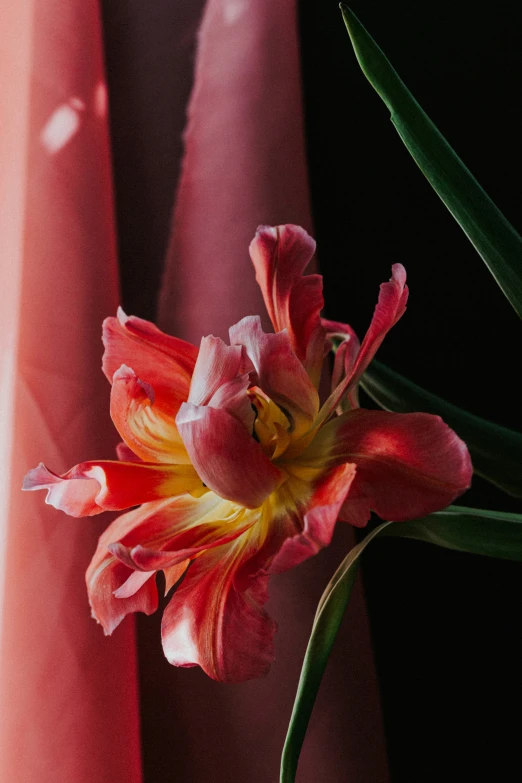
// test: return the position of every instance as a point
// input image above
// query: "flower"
(235, 467)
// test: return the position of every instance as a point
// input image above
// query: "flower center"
(272, 427)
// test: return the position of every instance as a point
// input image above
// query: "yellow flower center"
(272, 428)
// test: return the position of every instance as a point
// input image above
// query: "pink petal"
(106, 575)
(280, 255)
(319, 519)
(164, 362)
(147, 430)
(226, 456)
(280, 374)
(390, 307)
(92, 487)
(408, 465)
(220, 380)
(174, 574)
(216, 619)
(135, 581)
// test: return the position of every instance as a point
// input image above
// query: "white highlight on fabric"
(62, 125)
(233, 10)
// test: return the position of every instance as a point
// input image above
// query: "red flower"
(237, 470)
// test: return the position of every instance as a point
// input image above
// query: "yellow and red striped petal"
(92, 487)
(408, 465)
(145, 427)
(226, 456)
(115, 589)
(279, 372)
(115, 585)
(280, 255)
(164, 362)
(181, 538)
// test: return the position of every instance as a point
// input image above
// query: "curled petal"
(279, 372)
(144, 426)
(216, 618)
(390, 308)
(164, 362)
(345, 355)
(408, 465)
(135, 581)
(280, 255)
(319, 519)
(220, 379)
(226, 456)
(92, 487)
(105, 577)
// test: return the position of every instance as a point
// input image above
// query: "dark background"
(446, 626)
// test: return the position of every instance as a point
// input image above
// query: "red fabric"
(68, 695)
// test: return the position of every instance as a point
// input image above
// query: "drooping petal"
(319, 519)
(279, 372)
(390, 308)
(92, 487)
(408, 465)
(115, 587)
(216, 618)
(144, 426)
(220, 379)
(226, 456)
(280, 255)
(164, 362)
(106, 576)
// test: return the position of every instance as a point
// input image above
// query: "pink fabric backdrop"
(68, 696)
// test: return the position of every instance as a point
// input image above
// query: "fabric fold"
(69, 701)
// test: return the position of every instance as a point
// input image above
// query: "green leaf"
(496, 451)
(492, 533)
(485, 226)
(326, 624)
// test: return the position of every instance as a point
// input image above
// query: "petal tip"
(38, 478)
(122, 316)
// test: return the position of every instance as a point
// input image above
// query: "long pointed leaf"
(326, 625)
(492, 533)
(486, 227)
(480, 532)
(496, 451)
